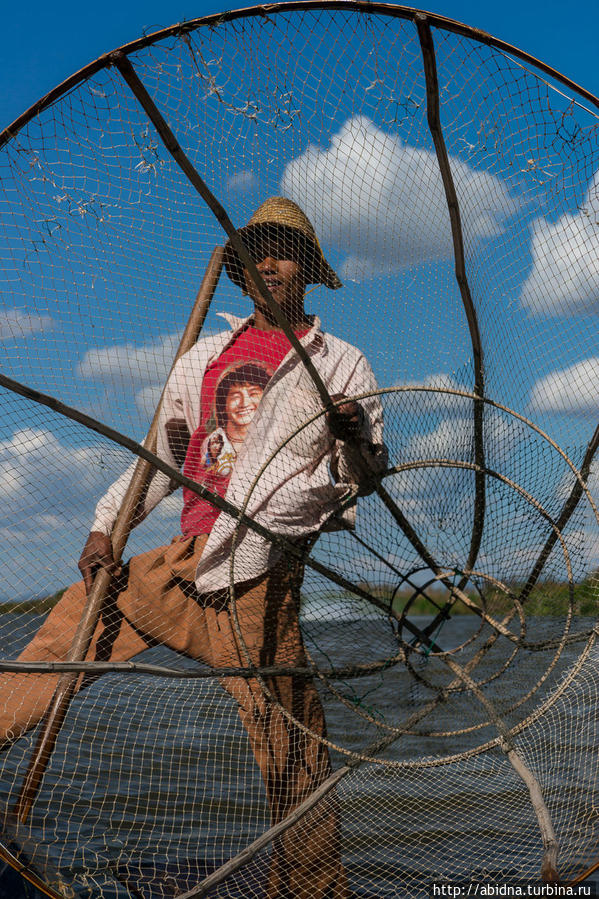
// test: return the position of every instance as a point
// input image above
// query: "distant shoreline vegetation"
(547, 598)
(39, 605)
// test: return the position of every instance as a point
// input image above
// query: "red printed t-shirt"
(231, 391)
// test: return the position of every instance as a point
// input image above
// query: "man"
(220, 593)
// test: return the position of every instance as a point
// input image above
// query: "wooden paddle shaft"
(87, 625)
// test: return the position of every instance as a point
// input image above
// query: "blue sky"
(41, 46)
(42, 43)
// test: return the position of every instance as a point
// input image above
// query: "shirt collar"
(315, 335)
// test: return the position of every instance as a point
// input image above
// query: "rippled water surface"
(153, 781)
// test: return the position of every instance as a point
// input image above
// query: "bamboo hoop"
(27, 874)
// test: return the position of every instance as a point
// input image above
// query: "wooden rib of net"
(500, 721)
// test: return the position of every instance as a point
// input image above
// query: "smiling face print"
(237, 397)
(241, 404)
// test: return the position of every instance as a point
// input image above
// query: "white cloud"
(15, 324)
(48, 492)
(565, 273)
(38, 472)
(142, 365)
(435, 399)
(148, 398)
(572, 390)
(242, 183)
(141, 369)
(385, 203)
(453, 438)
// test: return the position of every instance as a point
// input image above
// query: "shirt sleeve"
(160, 485)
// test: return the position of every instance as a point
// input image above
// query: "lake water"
(153, 783)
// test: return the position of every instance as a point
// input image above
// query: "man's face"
(276, 259)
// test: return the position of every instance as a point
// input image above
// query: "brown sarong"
(155, 602)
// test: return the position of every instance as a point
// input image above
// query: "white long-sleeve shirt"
(282, 475)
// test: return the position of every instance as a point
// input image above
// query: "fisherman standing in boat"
(230, 403)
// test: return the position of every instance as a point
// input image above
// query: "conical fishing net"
(372, 669)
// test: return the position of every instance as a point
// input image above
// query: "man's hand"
(97, 553)
(345, 422)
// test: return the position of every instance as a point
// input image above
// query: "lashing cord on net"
(429, 645)
(352, 695)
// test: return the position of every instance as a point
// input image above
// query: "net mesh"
(444, 662)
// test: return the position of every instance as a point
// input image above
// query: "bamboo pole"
(550, 845)
(548, 870)
(97, 668)
(247, 854)
(66, 686)
(569, 506)
(172, 145)
(199, 489)
(216, 20)
(453, 207)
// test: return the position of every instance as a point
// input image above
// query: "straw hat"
(280, 214)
